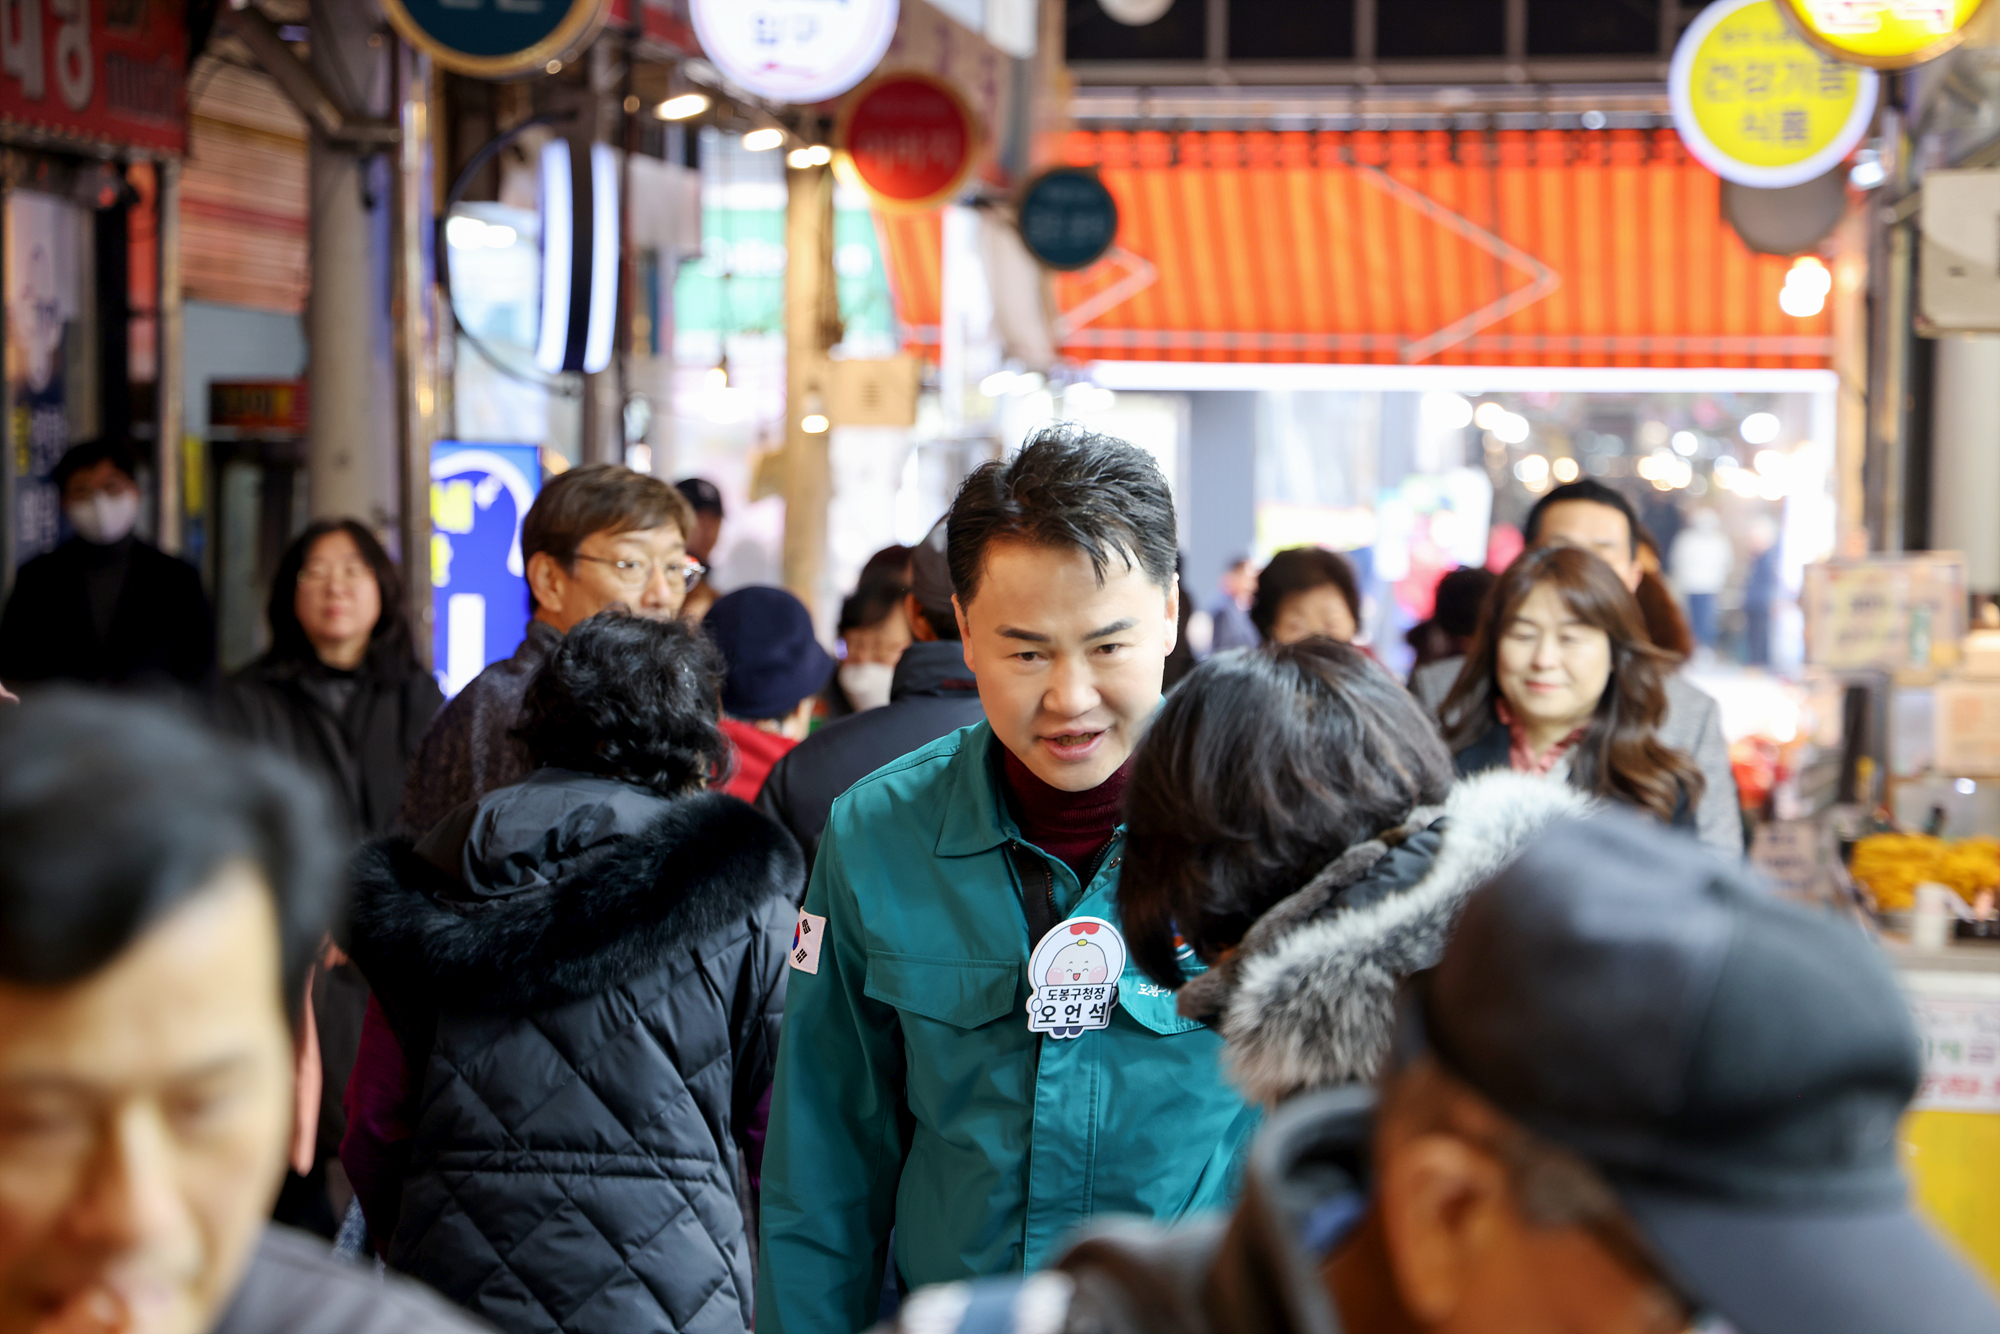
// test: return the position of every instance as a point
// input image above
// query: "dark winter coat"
(160, 630)
(933, 693)
(1307, 1000)
(363, 750)
(589, 1000)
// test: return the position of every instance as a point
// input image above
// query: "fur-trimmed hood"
(1312, 1004)
(566, 886)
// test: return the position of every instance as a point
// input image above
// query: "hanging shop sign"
(498, 39)
(1067, 218)
(479, 585)
(1884, 34)
(111, 74)
(795, 50)
(909, 139)
(1756, 105)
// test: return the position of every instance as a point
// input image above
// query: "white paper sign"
(1958, 1017)
(1074, 977)
(795, 50)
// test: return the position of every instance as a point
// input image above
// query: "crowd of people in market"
(1012, 971)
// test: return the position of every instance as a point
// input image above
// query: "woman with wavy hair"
(1296, 846)
(1563, 681)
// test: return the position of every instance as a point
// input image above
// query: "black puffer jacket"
(589, 1001)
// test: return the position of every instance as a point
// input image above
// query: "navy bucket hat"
(766, 638)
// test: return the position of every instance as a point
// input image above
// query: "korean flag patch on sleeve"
(806, 937)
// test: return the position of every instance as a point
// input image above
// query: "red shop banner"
(910, 139)
(99, 71)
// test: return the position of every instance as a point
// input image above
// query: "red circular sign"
(910, 139)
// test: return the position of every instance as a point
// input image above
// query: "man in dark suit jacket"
(105, 607)
(933, 693)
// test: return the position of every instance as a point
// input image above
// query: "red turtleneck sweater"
(1073, 826)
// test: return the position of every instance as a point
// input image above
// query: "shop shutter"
(243, 192)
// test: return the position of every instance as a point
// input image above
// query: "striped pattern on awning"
(1547, 247)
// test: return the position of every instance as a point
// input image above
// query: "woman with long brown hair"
(1562, 680)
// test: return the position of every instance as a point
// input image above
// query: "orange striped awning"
(1532, 247)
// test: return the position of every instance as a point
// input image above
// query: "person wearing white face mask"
(874, 632)
(106, 607)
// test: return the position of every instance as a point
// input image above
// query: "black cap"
(766, 638)
(1734, 1065)
(701, 494)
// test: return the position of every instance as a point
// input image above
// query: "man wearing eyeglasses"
(597, 536)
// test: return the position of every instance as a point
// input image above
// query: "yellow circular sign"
(1887, 34)
(1756, 105)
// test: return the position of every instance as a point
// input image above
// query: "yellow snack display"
(1891, 866)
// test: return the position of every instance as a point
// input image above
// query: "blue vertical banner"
(479, 586)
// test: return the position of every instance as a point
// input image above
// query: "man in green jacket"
(967, 1056)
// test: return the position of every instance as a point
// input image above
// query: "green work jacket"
(910, 1092)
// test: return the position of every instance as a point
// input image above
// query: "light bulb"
(762, 141)
(680, 108)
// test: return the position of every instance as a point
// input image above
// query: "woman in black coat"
(340, 690)
(579, 981)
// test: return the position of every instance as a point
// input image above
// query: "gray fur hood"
(1311, 1004)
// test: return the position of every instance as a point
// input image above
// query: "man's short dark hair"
(1300, 570)
(114, 812)
(1068, 487)
(599, 498)
(1260, 768)
(631, 698)
(108, 449)
(1588, 489)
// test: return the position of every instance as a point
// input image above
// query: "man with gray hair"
(598, 535)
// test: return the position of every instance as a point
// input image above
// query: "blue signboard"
(479, 587)
(1067, 218)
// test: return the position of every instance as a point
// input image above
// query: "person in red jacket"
(776, 669)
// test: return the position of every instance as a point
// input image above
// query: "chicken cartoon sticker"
(1074, 971)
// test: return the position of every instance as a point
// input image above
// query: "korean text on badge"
(1074, 975)
(806, 937)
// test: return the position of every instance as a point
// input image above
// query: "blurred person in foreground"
(578, 981)
(1638, 1095)
(774, 671)
(341, 690)
(1593, 516)
(1295, 826)
(162, 895)
(931, 693)
(1561, 681)
(912, 1092)
(342, 693)
(106, 607)
(1307, 591)
(599, 535)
